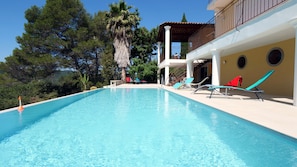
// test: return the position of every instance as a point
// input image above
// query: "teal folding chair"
(182, 84)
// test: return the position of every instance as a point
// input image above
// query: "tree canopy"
(65, 50)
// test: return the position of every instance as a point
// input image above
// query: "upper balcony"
(230, 14)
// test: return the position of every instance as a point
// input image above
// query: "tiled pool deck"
(276, 113)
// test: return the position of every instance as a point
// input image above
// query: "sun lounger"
(252, 88)
(179, 85)
(235, 82)
(199, 83)
(138, 81)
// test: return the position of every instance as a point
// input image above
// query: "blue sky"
(152, 13)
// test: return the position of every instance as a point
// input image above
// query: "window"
(241, 62)
(275, 56)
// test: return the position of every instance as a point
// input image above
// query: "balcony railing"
(236, 13)
(162, 57)
(239, 12)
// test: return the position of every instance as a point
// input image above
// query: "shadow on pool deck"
(277, 113)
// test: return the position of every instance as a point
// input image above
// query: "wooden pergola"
(180, 31)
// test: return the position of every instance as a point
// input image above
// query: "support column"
(159, 52)
(159, 76)
(159, 70)
(167, 42)
(167, 53)
(294, 24)
(166, 75)
(216, 67)
(190, 69)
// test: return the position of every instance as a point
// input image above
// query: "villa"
(159, 125)
(246, 37)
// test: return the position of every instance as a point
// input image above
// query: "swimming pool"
(140, 127)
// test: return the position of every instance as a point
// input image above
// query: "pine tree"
(183, 45)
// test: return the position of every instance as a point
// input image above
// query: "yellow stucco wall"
(280, 83)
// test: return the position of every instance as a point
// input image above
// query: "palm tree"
(122, 23)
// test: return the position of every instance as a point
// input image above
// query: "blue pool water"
(137, 127)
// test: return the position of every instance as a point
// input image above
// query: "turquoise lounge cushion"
(177, 85)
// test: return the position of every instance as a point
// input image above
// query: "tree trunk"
(123, 74)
